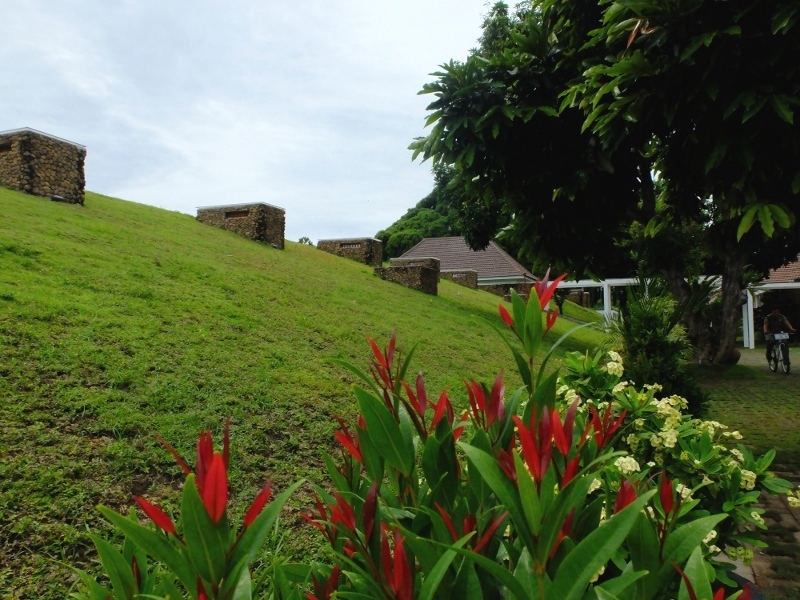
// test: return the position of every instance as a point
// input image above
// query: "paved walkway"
(776, 569)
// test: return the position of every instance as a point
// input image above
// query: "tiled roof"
(786, 274)
(454, 254)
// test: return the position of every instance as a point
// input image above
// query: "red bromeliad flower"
(666, 494)
(537, 442)
(626, 495)
(505, 316)
(324, 589)
(486, 413)
(258, 505)
(469, 525)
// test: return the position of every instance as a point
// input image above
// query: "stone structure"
(418, 274)
(504, 289)
(466, 277)
(261, 222)
(366, 250)
(43, 165)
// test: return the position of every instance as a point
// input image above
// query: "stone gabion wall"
(418, 274)
(42, 165)
(366, 250)
(260, 222)
(466, 277)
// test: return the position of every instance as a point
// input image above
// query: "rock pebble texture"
(260, 222)
(366, 250)
(466, 277)
(418, 274)
(40, 164)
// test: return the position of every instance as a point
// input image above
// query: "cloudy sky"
(306, 104)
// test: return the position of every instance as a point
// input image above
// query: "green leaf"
(747, 221)
(682, 542)
(206, 542)
(782, 109)
(155, 544)
(528, 495)
(118, 570)
(254, 536)
(695, 570)
(644, 547)
(780, 216)
(580, 565)
(504, 489)
(385, 432)
(498, 572)
(604, 595)
(766, 220)
(436, 575)
(532, 338)
(356, 371)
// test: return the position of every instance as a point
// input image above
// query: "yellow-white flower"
(748, 479)
(626, 465)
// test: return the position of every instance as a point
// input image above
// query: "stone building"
(260, 221)
(418, 274)
(466, 277)
(366, 250)
(43, 165)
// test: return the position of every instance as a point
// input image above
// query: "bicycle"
(779, 353)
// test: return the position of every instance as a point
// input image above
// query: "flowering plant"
(519, 497)
(201, 555)
(716, 475)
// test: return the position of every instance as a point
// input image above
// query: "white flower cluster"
(757, 518)
(684, 491)
(615, 368)
(748, 479)
(633, 441)
(736, 454)
(711, 426)
(619, 387)
(733, 434)
(569, 394)
(794, 498)
(626, 465)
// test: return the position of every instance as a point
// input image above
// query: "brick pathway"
(767, 406)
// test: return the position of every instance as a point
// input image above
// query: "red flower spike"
(201, 591)
(545, 291)
(258, 505)
(182, 463)
(369, 511)
(347, 440)
(343, 513)
(665, 491)
(625, 496)
(720, 595)
(477, 402)
(566, 530)
(205, 452)
(442, 406)
(447, 521)
(496, 409)
(378, 354)
(487, 535)
(156, 515)
(422, 396)
(505, 316)
(529, 450)
(569, 420)
(459, 430)
(215, 492)
(390, 351)
(552, 317)
(570, 471)
(403, 579)
(559, 436)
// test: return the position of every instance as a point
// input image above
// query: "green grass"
(119, 321)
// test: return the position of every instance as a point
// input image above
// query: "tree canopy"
(650, 134)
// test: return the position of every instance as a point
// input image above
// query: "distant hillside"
(119, 321)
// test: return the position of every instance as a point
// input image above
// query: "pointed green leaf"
(782, 109)
(436, 575)
(695, 570)
(528, 495)
(206, 542)
(682, 542)
(118, 570)
(747, 221)
(580, 565)
(385, 432)
(766, 220)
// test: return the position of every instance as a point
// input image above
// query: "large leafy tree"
(653, 133)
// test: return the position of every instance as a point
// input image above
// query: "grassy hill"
(119, 321)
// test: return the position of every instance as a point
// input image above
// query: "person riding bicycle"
(775, 322)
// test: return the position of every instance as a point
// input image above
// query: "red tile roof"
(454, 254)
(786, 274)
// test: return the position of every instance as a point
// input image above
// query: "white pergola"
(748, 321)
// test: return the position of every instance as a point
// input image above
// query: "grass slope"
(119, 321)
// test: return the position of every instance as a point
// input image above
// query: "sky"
(307, 105)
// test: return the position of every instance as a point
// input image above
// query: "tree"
(604, 128)
(436, 215)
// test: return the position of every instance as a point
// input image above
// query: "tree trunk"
(731, 290)
(698, 326)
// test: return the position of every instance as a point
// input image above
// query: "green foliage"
(120, 321)
(436, 215)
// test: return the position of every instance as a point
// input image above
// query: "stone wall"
(418, 274)
(39, 164)
(504, 289)
(366, 250)
(466, 277)
(260, 222)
